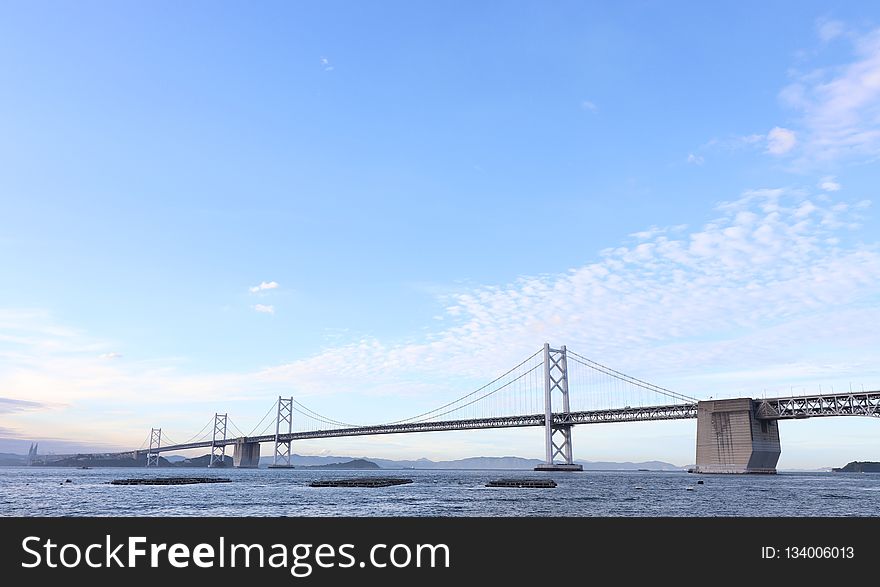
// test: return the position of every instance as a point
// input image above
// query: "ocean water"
(41, 491)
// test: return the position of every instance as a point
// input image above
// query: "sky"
(377, 207)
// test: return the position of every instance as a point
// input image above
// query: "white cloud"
(325, 63)
(265, 285)
(829, 184)
(110, 356)
(695, 159)
(780, 141)
(829, 30)
(590, 106)
(264, 309)
(839, 107)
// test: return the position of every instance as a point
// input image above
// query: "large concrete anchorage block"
(731, 439)
(247, 455)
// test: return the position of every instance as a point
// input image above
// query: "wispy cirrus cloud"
(829, 184)
(780, 140)
(589, 106)
(834, 110)
(8, 405)
(838, 107)
(829, 29)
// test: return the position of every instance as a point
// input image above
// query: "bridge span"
(556, 389)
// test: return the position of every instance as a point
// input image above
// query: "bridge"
(554, 388)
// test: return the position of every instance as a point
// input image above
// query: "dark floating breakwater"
(171, 481)
(366, 482)
(523, 483)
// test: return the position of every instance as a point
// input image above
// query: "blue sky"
(684, 192)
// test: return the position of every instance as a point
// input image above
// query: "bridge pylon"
(557, 425)
(283, 425)
(155, 443)
(218, 447)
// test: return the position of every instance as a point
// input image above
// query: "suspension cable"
(170, 441)
(478, 390)
(494, 391)
(263, 418)
(199, 433)
(237, 429)
(629, 379)
(325, 418)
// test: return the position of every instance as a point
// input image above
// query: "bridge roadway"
(628, 414)
(780, 408)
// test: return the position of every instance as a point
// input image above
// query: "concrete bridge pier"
(246, 455)
(732, 439)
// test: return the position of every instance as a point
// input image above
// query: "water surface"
(39, 491)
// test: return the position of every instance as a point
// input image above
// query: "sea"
(46, 491)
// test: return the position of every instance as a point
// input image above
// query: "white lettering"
(134, 551)
(111, 554)
(37, 557)
(89, 550)
(178, 551)
(69, 547)
(202, 552)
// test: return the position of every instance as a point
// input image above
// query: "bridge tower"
(32, 454)
(557, 425)
(153, 452)
(218, 445)
(283, 425)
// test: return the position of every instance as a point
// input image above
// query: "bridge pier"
(732, 439)
(246, 455)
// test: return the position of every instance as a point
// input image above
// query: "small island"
(859, 467)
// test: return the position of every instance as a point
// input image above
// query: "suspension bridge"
(554, 388)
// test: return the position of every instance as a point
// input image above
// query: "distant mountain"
(474, 463)
(304, 461)
(174, 461)
(859, 467)
(83, 461)
(199, 462)
(627, 466)
(468, 463)
(11, 460)
(356, 464)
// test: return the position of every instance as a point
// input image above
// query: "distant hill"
(174, 461)
(11, 460)
(859, 467)
(341, 462)
(474, 463)
(199, 462)
(82, 461)
(358, 464)
(627, 466)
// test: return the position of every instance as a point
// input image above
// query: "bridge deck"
(640, 414)
(781, 408)
(811, 406)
